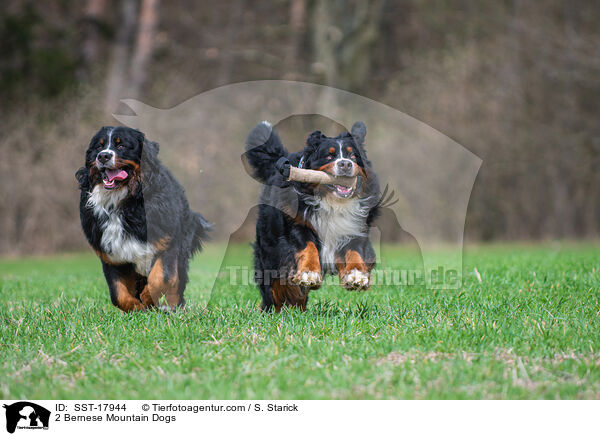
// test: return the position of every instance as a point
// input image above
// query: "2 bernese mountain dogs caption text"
(136, 217)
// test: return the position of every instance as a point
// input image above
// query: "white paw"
(307, 278)
(356, 279)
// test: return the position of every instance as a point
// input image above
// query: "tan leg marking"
(291, 295)
(308, 273)
(125, 289)
(354, 274)
(157, 287)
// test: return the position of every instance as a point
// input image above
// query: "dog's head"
(343, 155)
(115, 154)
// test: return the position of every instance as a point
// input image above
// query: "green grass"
(530, 329)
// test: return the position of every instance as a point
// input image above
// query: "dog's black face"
(114, 156)
(339, 156)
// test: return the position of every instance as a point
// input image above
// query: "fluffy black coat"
(136, 217)
(304, 231)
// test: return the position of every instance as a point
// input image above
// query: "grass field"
(529, 329)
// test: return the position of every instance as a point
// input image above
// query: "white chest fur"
(120, 246)
(336, 223)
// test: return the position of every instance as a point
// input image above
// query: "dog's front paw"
(307, 279)
(356, 280)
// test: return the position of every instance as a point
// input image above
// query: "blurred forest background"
(516, 82)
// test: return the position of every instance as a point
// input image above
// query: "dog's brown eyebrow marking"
(349, 149)
(331, 150)
(102, 142)
(118, 140)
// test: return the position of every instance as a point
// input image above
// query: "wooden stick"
(319, 177)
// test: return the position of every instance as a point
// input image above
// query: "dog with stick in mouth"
(311, 224)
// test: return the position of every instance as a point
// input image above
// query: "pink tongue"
(116, 175)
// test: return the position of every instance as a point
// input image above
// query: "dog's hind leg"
(277, 292)
(289, 294)
(163, 280)
(266, 294)
(182, 271)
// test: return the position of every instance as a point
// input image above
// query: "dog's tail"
(201, 228)
(263, 149)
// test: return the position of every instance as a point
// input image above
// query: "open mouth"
(341, 191)
(114, 177)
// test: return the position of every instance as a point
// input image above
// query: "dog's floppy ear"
(359, 131)
(314, 139)
(83, 176)
(150, 148)
(312, 142)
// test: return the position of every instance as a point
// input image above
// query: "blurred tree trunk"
(144, 45)
(235, 23)
(117, 76)
(297, 19)
(93, 13)
(345, 36)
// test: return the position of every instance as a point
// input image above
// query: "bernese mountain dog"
(136, 217)
(304, 231)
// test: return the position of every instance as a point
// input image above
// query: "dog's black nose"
(104, 157)
(344, 164)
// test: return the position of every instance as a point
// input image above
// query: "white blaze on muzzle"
(336, 167)
(110, 163)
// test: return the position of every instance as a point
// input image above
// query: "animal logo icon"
(27, 415)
